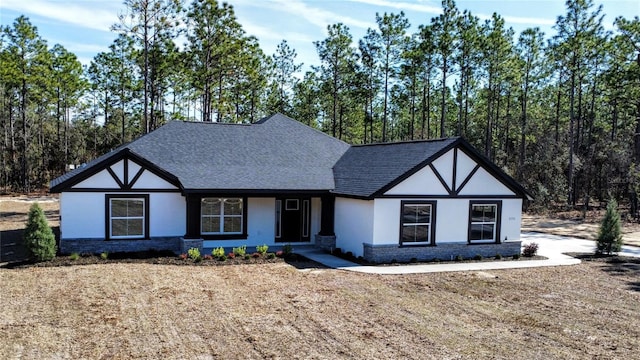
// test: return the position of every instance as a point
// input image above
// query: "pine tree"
(38, 235)
(610, 235)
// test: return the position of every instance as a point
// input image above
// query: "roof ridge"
(408, 141)
(208, 122)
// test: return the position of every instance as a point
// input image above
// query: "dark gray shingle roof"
(276, 153)
(366, 169)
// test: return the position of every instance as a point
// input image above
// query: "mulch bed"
(161, 258)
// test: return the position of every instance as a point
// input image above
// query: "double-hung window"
(484, 222)
(221, 216)
(127, 216)
(417, 223)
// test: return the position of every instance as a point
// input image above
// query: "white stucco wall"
(483, 183)
(452, 220)
(316, 217)
(423, 182)
(101, 180)
(149, 180)
(83, 214)
(353, 224)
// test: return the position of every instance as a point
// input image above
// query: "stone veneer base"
(96, 246)
(445, 251)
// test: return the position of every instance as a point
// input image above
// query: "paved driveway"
(552, 247)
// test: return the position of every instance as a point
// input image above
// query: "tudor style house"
(278, 181)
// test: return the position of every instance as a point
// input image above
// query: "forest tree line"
(559, 112)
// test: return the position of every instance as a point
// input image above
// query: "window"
(484, 222)
(221, 216)
(291, 204)
(127, 216)
(417, 223)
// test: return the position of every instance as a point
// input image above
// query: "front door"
(292, 219)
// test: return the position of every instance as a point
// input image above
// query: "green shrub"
(194, 254)
(288, 250)
(222, 257)
(478, 257)
(530, 250)
(516, 256)
(498, 256)
(610, 234)
(104, 255)
(459, 258)
(217, 252)
(240, 251)
(38, 236)
(271, 256)
(74, 256)
(262, 249)
(247, 257)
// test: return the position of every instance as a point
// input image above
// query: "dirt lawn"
(275, 311)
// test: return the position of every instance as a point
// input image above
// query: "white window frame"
(429, 224)
(222, 216)
(494, 222)
(143, 218)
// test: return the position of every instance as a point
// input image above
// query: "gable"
(124, 173)
(454, 173)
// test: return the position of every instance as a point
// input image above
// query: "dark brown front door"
(292, 219)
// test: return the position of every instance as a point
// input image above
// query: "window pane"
(210, 206)
(127, 227)
(482, 232)
(119, 227)
(408, 233)
(210, 224)
(233, 206)
(134, 227)
(118, 208)
(423, 214)
(232, 224)
(476, 213)
(409, 214)
(415, 233)
(135, 207)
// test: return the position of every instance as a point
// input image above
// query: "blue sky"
(82, 26)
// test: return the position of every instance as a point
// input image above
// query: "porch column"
(327, 215)
(193, 217)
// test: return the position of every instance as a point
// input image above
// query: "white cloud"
(317, 16)
(98, 15)
(419, 7)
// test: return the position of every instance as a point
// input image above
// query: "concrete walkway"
(550, 246)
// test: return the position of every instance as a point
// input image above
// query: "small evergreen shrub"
(38, 236)
(222, 257)
(217, 252)
(248, 257)
(459, 258)
(262, 249)
(478, 257)
(530, 250)
(194, 254)
(288, 250)
(610, 233)
(104, 255)
(413, 260)
(271, 256)
(516, 256)
(74, 256)
(498, 256)
(240, 251)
